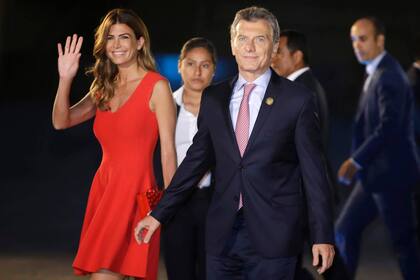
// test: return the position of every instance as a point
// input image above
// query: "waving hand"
(68, 59)
(64, 115)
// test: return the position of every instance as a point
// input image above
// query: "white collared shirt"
(371, 68)
(255, 98)
(186, 128)
(297, 73)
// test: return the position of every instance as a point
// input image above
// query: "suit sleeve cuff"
(358, 166)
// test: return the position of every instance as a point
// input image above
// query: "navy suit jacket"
(280, 175)
(309, 80)
(413, 75)
(383, 138)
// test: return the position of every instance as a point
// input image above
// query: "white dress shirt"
(186, 128)
(255, 98)
(371, 68)
(297, 73)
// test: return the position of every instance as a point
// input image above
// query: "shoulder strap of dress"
(152, 79)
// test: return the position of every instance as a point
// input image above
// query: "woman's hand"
(68, 61)
(63, 115)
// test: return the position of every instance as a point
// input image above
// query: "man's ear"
(381, 41)
(275, 49)
(297, 57)
(232, 47)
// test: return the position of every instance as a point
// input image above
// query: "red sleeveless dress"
(128, 138)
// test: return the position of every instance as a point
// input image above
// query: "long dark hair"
(104, 71)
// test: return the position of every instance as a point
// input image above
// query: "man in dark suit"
(413, 74)
(383, 154)
(260, 134)
(292, 62)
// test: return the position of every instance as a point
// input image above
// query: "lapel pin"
(269, 101)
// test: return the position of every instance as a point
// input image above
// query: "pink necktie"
(242, 125)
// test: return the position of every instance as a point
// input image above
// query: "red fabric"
(128, 138)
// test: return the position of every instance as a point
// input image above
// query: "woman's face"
(122, 45)
(196, 69)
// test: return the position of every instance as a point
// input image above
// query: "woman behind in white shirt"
(183, 236)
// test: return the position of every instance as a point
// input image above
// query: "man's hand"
(326, 252)
(145, 229)
(347, 171)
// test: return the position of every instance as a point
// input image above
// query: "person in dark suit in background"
(413, 74)
(383, 156)
(260, 133)
(183, 235)
(292, 62)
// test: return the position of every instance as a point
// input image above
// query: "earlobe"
(275, 48)
(381, 40)
(179, 67)
(298, 56)
(140, 43)
(232, 48)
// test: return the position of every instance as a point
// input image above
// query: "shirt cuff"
(358, 166)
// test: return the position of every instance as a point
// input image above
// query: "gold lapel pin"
(269, 101)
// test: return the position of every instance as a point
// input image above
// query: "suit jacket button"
(240, 166)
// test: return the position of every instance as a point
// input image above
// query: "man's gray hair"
(253, 14)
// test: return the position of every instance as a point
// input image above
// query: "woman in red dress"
(132, 106)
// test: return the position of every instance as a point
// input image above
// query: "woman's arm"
(64, 116)
(163, 105)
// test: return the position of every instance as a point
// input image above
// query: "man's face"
(253, 47)
(283, 61)
(366, 44)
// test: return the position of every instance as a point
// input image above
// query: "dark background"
(45, 174)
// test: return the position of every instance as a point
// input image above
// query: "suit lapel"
(362, 102)
(226, 96)
(364, 97)
(264, 111)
